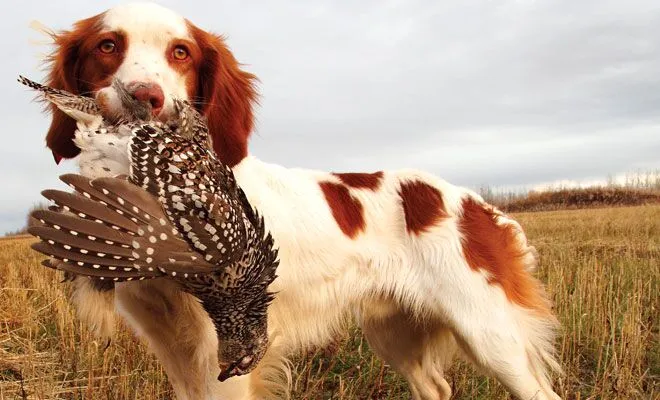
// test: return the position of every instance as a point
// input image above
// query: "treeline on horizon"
(632, 189)
(637, 188)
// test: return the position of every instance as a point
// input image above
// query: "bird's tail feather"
(85, 110)
(111, 229)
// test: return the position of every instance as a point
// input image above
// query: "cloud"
(502, 93)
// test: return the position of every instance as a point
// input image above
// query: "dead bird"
(179, 215)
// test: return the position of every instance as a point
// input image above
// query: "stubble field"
(601, 266)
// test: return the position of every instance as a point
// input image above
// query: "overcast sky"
(504, 93)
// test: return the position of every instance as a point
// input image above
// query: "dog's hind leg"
(418, 350)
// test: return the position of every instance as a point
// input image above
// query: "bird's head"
(243, 340)
(241, 309)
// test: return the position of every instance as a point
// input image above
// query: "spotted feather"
(181, 215)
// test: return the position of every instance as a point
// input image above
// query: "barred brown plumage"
(178, 215)
(84, 104)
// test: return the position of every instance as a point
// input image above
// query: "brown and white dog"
(424, 267)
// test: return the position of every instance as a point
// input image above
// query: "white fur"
(415, 297)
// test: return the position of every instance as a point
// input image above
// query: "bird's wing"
(210, 218)
(113, 229)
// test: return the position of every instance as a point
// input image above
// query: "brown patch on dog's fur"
(346, 209)
(360, 180)
(498, 250)
(423, 206)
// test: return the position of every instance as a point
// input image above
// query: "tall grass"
(45, 353)
(602, 268)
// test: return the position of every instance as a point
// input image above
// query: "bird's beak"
(229, 371)
(226, 373)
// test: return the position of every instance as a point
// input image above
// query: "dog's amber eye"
(180, 53)
(107, 46)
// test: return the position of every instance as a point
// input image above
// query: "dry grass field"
(602, 267)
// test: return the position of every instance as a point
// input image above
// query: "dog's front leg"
(180, 333)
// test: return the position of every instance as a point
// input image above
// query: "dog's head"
(157, 55)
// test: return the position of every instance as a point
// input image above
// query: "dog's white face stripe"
(150, 30)
(146, 19)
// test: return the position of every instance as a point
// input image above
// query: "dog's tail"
(496, 246)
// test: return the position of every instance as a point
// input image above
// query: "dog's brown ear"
(60, 136)
(227, 96)
(63, 65)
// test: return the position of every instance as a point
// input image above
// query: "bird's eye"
(107, 46)
(180, 53)
(245, 362)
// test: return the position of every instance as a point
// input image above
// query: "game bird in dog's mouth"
(179, 215)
